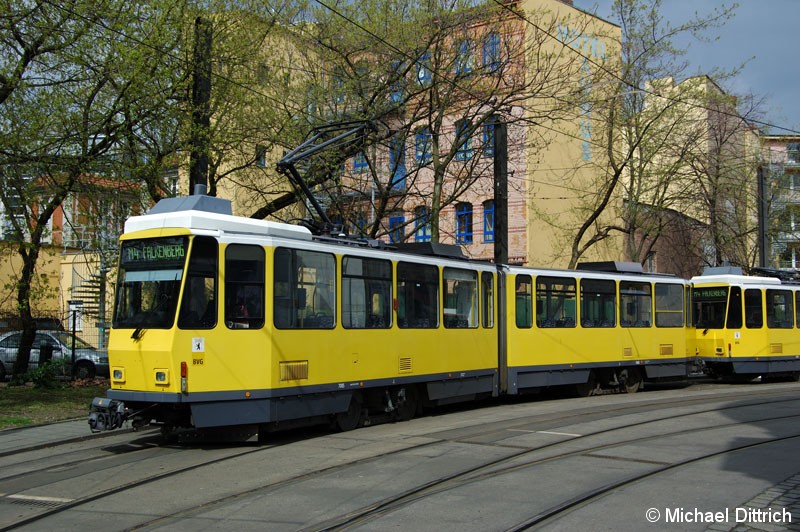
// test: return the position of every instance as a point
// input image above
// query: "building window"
(337, 87)
(463, 140)
(422, 145)
(422, 224)
(75, 316)
(464, 223)
(261, 156)
(488, 221)
(488, 136)
(397, 163)
(359, 225)
(360, 162)
(396, 90)
(397, 229)
(464, 58)
(491, 51)
(793, 153)
(424, 69)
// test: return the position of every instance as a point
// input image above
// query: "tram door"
(243, 317)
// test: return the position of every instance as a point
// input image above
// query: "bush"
(46, 375)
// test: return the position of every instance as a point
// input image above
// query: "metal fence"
(89, 327)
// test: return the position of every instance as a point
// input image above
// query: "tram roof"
(734, 279)
(214, 221)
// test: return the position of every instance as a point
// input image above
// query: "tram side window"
(417, 296)
(366, 293)
(797, 307)
(735, 309)
(635, 303)
(669, 305)
(244, 287)
(305, 289)
(555, 302)
(524, 301)
(487, 291)
(598, 303)
(753, 309)
(460, 298)
(780, 309)
(198, 306)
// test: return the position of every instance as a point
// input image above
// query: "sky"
(763, 34)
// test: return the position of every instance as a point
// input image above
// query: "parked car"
(89, 361)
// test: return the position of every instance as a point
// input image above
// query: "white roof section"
(210, 221)
(734, 279)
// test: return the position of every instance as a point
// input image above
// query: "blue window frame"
(488, 221)
(261, 156)
(422, 224)
(424, 69)
(422, 145)
(491, 51)
(488, 137)
(359, 162)
(464, 223)
(464, 58)
(397, 91)
(463, 140)
(360, 225)
(397, 229)
(337, 87)
(397, 163)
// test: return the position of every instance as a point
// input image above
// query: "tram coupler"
(106, 414)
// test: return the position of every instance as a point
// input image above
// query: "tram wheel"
(631, 380)
(588, 388)
(407, 403)
(350, 419)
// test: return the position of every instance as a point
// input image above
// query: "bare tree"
(434, 77)
(647, 128)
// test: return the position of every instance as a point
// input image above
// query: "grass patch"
(26, 405)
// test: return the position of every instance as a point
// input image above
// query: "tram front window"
(709, 307)
(150, 273)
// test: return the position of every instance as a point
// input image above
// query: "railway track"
(629, 425)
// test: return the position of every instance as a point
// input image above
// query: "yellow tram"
(746, 326)
(222, 320)
(225, 321)
(615, 327)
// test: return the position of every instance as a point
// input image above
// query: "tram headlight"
(117, 375)
(161, 377)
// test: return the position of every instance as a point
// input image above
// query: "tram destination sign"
(705, 294)
(156, 252)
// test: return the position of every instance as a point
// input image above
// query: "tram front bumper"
(106, 414)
